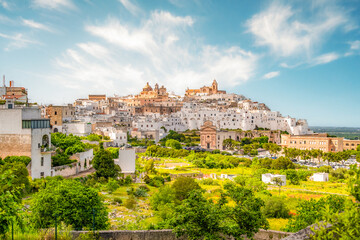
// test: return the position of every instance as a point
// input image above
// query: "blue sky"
(301, 58)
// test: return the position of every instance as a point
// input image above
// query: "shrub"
(156, 181)
(165, 196)
(146, 188)
(130, 203)
(140, 192)
(292, 176)
(128, 180)
(112, 185)
(247, 162)
(172, 143)
(183, 186)
(216, 151)
(308, 212)
(275, 207)
(117, 200)
(209, 181)
(303, 175)
(157, 151)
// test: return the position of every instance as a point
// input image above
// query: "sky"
(301, 58)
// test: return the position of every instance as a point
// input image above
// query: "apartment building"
(318, 141)
(59, 115)
(24, 133)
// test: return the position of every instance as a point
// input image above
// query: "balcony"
(47, 149)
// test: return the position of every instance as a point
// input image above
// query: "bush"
(156, 181)
(157, 151)
(11, 159)
(216, 151)
(128, 180)
(146, 188)
(183, 186)
(173, 144)
(140, 192)
(209, 181)
(208, 160)
(275, 207)
(303, 175)
(165, 196)
(308, 212)
(112, 185)
(130, 203)
(292, 176)
(117, 200)
(247, 162)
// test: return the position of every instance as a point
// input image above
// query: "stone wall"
(66, 170)
(169, 235)
(15, 145)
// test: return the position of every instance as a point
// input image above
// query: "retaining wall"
(169, 235)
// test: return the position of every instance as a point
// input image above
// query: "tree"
(198, 218)
(104, 165)
(70, 202)
(292, 176)
(272, 148)
(165, 196)
(354, 182)
(278, 182)
(16, 178)
(282, 163)
(23, 159)
(9, 199)
(245, 217)
(308, 212)
(229, 144)
(183, 186)
(275, 207)
(150, 167)
(174, 144)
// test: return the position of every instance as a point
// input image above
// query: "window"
(55, 113)
(55, 122)
(42, 174)
(42, 161)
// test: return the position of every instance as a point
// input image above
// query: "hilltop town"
(146, 154)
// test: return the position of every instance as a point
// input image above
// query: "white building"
(24, 133)
(269, 178)
(80, 129)
(193, 115)
(320, 177)
(126, 160)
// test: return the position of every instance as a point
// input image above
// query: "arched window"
(45, 141)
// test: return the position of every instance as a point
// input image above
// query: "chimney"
(4, 81)
(11, 83)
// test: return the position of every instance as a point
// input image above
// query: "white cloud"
(271, 75)
(325, 58)
(54, 4)
(36, 25)
(286, 32)
(4, 4)
(17, 41)
(355, 45)
(162, 49)
(130, 7)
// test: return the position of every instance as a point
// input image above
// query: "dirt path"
(305, 190)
